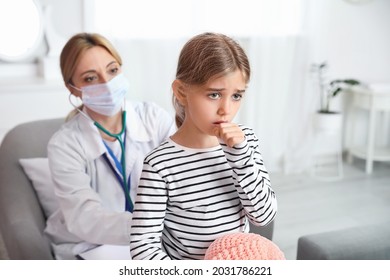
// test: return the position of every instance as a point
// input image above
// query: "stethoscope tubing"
(125, 185)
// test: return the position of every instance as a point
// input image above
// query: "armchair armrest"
(369, 242)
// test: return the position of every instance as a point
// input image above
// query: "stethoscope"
(119, 165)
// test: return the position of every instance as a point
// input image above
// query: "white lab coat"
(91, 199)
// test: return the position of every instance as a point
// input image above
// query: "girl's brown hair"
(73, 51)
(207, 56)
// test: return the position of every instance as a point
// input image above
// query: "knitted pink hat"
(243, 246)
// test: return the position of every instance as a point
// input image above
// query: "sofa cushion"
(37, 170)
(366, 242)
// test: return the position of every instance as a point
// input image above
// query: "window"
(21, 29)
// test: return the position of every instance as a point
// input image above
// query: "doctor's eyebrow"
(112, 62)
(88, 71)
(94, 71)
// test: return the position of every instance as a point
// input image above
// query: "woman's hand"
(230, 133)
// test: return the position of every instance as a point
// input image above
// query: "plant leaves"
(336, 91)
(351, 82)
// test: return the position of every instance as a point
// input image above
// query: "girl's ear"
(178, 88)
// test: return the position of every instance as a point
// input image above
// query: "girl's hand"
(230, 133)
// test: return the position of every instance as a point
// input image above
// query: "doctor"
(96, 157)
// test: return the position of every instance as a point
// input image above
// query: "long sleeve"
(148, 216)
(251, 179)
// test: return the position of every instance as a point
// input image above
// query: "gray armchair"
(22, 220)
(366, 242)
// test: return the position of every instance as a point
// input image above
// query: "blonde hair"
(74, 50)
(206, 56)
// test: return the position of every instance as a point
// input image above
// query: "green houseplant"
(328, 125)
(329, 89)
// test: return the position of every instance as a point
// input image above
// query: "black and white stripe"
(189, 197)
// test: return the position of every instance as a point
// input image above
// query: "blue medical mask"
(106, 98)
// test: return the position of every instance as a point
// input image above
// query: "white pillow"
(37, 170)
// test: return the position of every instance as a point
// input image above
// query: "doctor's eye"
(90, 78)
(114, 70)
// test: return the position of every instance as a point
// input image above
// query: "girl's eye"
(214, 95)
(237, 96)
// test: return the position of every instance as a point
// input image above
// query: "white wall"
(353, 38)
(355, 41)
(23, 95)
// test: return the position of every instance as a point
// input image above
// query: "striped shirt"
(188, 197)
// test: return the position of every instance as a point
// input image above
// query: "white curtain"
(150, 65)
(275, 105)
(279, 101)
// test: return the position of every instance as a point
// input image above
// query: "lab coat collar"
(135, 132)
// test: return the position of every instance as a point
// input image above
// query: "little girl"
(209, 178)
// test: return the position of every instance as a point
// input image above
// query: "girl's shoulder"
(164, 150)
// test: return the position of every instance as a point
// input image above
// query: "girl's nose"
(224, 107)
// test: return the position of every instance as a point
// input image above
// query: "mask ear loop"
(77, 108)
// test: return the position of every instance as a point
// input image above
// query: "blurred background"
(283, 40)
